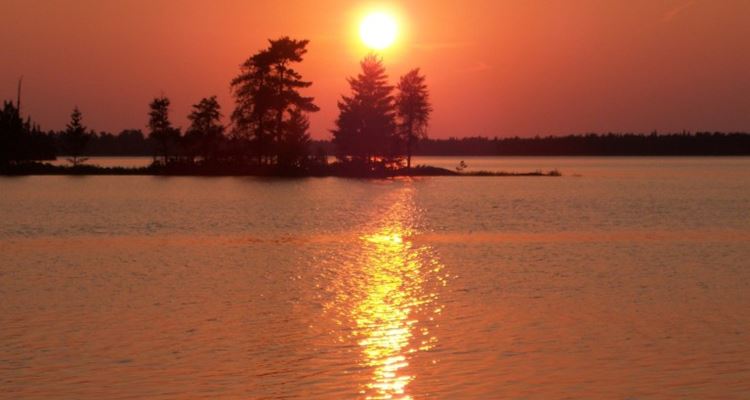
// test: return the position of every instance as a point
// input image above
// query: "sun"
(378, 30)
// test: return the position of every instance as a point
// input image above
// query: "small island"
(336, 169)
(376, 133)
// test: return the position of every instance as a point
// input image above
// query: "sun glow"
(398, 303)
(378, 30)
(385, 299)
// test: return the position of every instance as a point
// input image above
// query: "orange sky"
(494, 67)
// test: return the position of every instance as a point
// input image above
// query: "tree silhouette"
(75, 137)
(288, 82)
(12, 134)
(266, 92)
(365, 127)
(206, 132)
(413, 110)
(251, 117)
(161, 130)
(294, 145)
(21, 140)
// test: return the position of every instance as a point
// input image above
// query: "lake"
(627, 278)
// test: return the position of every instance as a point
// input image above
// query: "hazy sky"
(494, 67)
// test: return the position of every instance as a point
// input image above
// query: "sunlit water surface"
(625, 279)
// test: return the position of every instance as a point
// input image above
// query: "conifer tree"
(266, 93)
(205, 134)
(75, 137)
(12, 134)
(365, 128)
(413, 110)
(161, 130)
(294, 146)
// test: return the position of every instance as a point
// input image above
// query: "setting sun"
(378, 30)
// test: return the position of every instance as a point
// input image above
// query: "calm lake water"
(627, 278)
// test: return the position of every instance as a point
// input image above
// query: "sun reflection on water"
(396, 302)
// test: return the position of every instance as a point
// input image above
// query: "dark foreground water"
(630, 281)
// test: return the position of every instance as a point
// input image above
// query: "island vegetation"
(379, 128)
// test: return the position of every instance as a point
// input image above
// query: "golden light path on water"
(398, 302)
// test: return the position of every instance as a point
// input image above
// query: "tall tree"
(206, 132)
(413, 110)
(266, 92)
(365, 128)
(161, 129)
(251, 114)
(75, 137)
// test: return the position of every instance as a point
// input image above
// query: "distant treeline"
(611, 144)
(133, 142)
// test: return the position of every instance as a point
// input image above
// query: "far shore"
(329, 170)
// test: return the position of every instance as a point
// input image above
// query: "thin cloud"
(478, 67)
(442, 45)
(673, 13)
